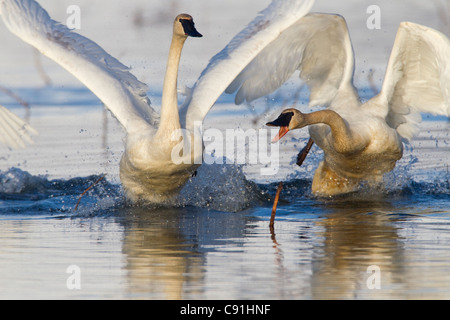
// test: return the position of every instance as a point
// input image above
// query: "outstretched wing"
(104, 75)
(417, 78)
(14, 132)
(318, 45)
(225, 66)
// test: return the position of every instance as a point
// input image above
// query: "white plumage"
(148, 171)
(361, 142)
(14, 132)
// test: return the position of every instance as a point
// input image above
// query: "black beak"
(282, 121)
(189, 28)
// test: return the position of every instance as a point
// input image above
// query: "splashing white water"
(222, 187)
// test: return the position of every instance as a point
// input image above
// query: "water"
(320, 249)
(391, 243)
(215, 243)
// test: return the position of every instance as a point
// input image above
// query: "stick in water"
(274, 208)
(90, 187)
(300, 158)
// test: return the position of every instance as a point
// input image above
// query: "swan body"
(353, 151)
(361, 142)
(147, 170)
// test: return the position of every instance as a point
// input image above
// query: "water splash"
(222, 187)
(216, 187)
(22, 192)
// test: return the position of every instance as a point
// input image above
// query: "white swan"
(147, 170)
(14, 132)
(364, 141)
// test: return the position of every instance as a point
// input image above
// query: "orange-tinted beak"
(283, 122)
(281, 133)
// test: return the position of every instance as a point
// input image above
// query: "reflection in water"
(202, 254)
(166, 249)
(360, 234)
(321, 249)
(356, 235)
(158, 260)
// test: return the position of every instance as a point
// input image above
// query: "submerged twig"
(21, 101)
(274, 208)
(40, 68)
(300, 158)
(90, 187)
(14, 96)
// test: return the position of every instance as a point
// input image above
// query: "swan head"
(183, 26)
(288, 120)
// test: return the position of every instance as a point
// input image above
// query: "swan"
(148, 171)
(14, 132)
(362, 141)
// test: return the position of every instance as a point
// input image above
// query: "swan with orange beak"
(284, 122)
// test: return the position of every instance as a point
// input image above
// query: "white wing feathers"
(14, 132)
(318, 45)
(243, 48)
(104, 75)
(417, 78)
(259, 59)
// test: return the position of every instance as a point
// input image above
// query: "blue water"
(320, 248)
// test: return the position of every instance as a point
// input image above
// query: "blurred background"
(138, 33)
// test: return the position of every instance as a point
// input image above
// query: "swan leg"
(304, 152)
(327, 182)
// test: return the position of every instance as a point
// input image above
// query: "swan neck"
(323, 116)
(170, 119)
(340, 131)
